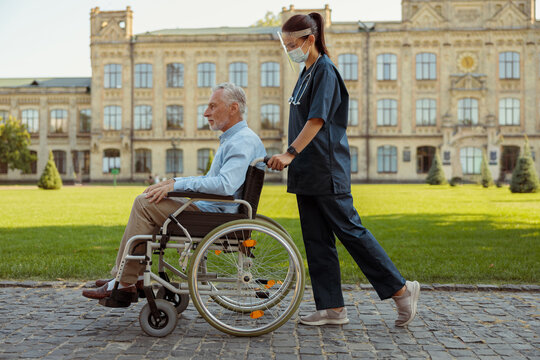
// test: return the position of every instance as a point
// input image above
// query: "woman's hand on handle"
(279, 162)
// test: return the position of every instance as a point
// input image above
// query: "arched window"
(387, 159)
(426, 66)
(471, 160)
(238, 73)
(175, 117)
(59, 121)
(509, 65)
(60, 160)
(85, 120)
(143, 117)
(353, 112)
(206, 74)
(424, 158)
(143, 75)
(112, 118)
(509, 111)
(426, 112)
(175, 161)
(348, 66)
(175, 75)
(354, 159)
(270, 116)
(30, 118)
(143, 160)
(270, 74)
(111, 160)
(387, 112)
(386, 67)
(113, 76)
(468, 111)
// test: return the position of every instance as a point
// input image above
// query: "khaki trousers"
(145, 219)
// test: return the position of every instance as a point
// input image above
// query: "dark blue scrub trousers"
(323, 216)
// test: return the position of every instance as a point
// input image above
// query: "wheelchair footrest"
(113, 303)
(120, 299)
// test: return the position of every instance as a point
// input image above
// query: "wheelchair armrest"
(192, 194)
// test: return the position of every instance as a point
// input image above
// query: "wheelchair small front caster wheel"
(180, 301)
(164, 324)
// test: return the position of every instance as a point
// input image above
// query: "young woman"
(319, 174)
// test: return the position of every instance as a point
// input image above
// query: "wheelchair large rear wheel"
(253, 278)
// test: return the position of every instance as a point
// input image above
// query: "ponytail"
(315, 22)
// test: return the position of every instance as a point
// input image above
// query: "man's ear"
(234, 108)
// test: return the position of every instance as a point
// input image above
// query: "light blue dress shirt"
(238, 147)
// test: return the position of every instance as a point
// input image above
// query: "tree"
(487, 179)
(270, 19)
(436, 173)
(524, 177)
(14, 142)
(50, 179)
(209, 163)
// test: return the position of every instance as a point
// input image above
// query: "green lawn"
(444, 234)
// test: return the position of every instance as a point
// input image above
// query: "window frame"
(272, 113)
(112, 76)
(348, 66)
(270, 74)
(387, 113)
(175, 75)
(387, 155)
(143, 76)
(115, 117)
(206, 74)
(239, 70)
(426, 66)
(142, 117)
(387, 67)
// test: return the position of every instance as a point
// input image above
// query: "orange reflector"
(249, 243)
(218, 252)
(270, 284)
(280, 282)
(256, 314)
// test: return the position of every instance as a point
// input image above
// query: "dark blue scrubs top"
(324, 166)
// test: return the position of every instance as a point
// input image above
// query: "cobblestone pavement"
(58, 323)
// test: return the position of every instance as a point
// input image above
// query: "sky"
(50, 38)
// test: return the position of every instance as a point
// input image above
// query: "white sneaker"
(406, 303)
(326, 316)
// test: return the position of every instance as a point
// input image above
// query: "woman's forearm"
(307, 134)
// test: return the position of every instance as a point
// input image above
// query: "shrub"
(50, 179)
(456, 180)
(524, 177)
(436, 173)
(486, 179)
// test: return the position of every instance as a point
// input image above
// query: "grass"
(444, 234)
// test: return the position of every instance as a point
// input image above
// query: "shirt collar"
(232, 130)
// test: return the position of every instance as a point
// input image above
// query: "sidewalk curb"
(345, 287)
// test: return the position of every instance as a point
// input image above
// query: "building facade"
(460, 76)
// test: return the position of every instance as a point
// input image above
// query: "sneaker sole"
(414, 303)
(325, 322)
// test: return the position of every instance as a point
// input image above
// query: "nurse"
(319, 166)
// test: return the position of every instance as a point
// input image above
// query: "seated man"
(238, 146)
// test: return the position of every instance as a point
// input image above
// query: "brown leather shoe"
(102, 292)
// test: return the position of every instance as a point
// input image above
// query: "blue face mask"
(297, 55)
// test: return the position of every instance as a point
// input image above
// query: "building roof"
(216, 31)
(46, 82)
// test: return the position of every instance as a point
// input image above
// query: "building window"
(3, 167)
(386, 67)
(468, 111)
(30, 118)
(426, 66)
(509, 65)
(354, 159)
(509, 113)
(143, 161)
(510, 155)
(353, 112)
(112, 118)
(471, 160)
(33, 164)
(270, 74)
(85, 120)
(175, 161)
(81, 161)
(175, 75)
(60, 160)
(143, 75)
(424, 158)
(143, 117)
(111, 160)
(387, 159)
(348, 66)
(175, 117)
(270, 116)
(58, 123)
(206, 74)
(113, 76)
(387, 112)
(4, 115)
(238, 74)
(202, 123)
(203, 156)
(426, 112)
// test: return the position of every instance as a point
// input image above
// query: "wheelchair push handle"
(261, 159)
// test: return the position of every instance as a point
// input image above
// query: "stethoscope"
(295, 99)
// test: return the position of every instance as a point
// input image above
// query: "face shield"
(286, 52)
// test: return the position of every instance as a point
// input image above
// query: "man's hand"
(156, 193)
(279, 162)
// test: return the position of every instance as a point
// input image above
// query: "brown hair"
(315, 22)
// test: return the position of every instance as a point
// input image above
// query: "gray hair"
(233, 94)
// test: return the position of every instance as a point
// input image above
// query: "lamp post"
(175, 142)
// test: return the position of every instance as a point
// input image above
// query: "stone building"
(460, 76)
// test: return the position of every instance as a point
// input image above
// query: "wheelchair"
(242, 271)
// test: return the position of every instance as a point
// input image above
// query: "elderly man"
(238, 146)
